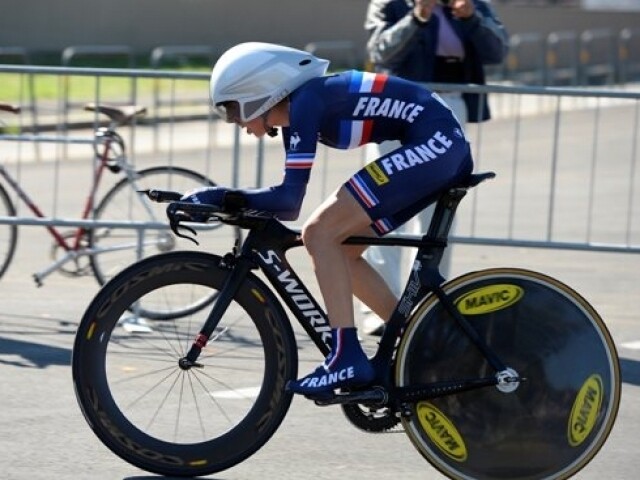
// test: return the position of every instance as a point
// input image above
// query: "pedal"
(373, 396)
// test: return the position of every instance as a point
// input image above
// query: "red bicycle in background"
(104, 251)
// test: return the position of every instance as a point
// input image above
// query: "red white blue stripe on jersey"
(363, 191)
(367, 82)
(354, 133)
(299, 160)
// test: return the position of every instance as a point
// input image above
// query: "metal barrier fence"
(591, 57)
(566, 159)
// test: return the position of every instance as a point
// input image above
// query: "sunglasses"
(229, 111)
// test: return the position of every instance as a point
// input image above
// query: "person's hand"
(462, 8)
(206, 195)
(422, 9)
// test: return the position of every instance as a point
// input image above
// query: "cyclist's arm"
(285, 200)
(300, 143)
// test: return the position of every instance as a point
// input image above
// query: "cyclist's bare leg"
(347, 365)
(337, 218)
(367, 283)
(341, 271)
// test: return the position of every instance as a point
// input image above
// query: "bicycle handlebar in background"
(162, 196)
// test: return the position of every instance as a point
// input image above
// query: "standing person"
(260, 87)
(430, 41)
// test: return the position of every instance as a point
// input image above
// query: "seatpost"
(438, 233)
(443, 214)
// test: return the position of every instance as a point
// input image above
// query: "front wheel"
(171, 420)
(554, 422)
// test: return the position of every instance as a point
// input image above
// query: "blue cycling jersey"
(354, 108)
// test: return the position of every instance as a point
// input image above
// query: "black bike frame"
(266, 247)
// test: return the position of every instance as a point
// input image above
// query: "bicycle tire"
(123, 202)
(555, 422)
(8, 233)
(149, 411)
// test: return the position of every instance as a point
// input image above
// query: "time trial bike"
(499, 373)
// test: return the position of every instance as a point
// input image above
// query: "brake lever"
(175, 218)
(174, 224)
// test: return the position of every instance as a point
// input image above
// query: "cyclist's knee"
(333, 222)
(354, 252)
(318, 234)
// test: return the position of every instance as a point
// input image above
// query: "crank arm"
(375, 396)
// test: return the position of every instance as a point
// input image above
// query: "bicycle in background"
(104, 251)
(500, 373)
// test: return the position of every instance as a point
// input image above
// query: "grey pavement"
(44, 435)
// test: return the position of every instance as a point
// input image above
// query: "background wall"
(144, 24)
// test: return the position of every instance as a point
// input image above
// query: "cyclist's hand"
(227, 199)
(206, 195)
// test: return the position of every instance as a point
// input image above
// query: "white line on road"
(250, 392)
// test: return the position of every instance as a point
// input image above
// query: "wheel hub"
(508, 380)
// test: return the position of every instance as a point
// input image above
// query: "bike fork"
(239, 271)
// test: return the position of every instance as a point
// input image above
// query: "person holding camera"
(431, 41)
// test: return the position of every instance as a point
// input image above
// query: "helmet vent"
(304, 62)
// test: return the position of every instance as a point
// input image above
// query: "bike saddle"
(7, 107)
(476, 178)
(120, 115)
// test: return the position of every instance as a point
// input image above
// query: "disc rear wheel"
(565, 406)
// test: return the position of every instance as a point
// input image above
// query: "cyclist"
(260, 87)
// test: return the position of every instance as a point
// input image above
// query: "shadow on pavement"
(160, 477)
(32, 341)
(32, 355)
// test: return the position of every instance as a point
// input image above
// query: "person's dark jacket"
(399, 45)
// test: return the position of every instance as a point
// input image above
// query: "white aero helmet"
(259, 75)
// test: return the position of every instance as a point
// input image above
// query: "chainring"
(78, 266)
(370, 418)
